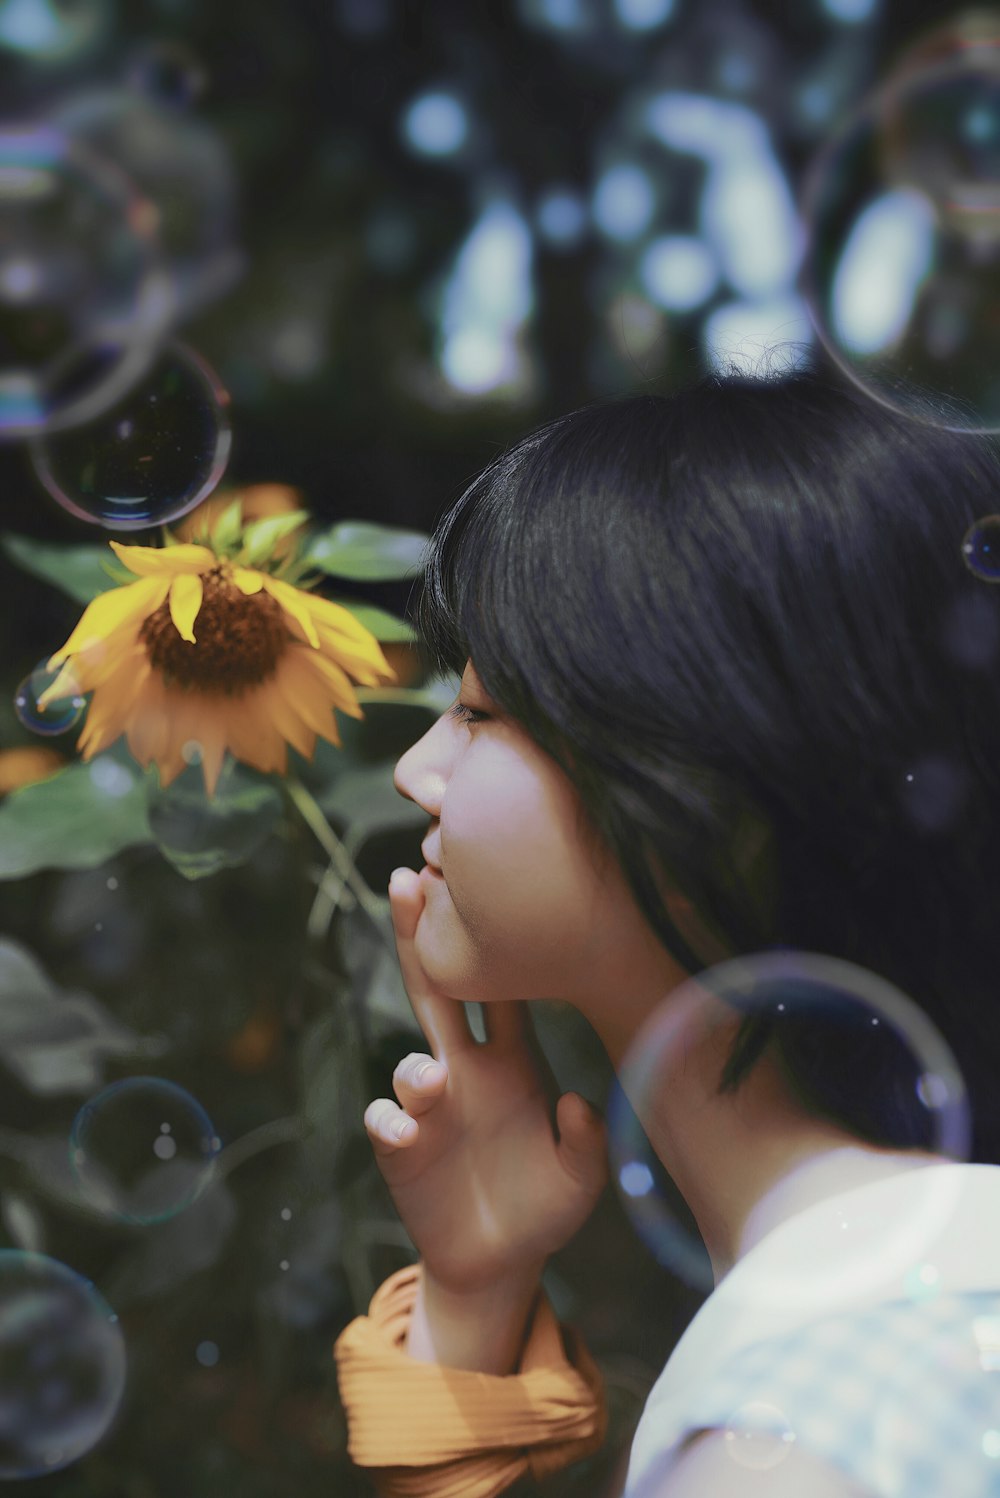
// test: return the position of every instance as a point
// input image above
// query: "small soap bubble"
(904, 242)
(840, 1014)
(758, 1436)
(54, 715)
(62, 1365)
(286, 1214)
(981, 549)
(143, 1149)
(112, 882)
(207, 1354)
(152, 457)
(168, 73)
(284, 1264)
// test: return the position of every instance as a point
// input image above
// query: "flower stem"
(340, 859)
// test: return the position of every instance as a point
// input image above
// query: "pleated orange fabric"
(426, 1431)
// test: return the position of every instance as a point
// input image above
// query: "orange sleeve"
(428, 1431)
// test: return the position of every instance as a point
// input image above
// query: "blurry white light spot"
(561, 216)
(623, 202)
(991, 1443)
(111, 778)
(643, 15)
(19, 280)
(678, 272)
(749, 217)
(758, 338)
(562, 15)
(436, 124)
(850, 11)
(636, 1179)
(887, 255)
(475, 359)
(29, 25)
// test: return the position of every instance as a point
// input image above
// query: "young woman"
(728, 685)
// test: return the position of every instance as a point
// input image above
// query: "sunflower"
(207, 650)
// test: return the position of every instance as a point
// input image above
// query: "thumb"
(583, 1142)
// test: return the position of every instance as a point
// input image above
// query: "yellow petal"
(111, 611)
(66, 684)
(247, 580)
(295, 603)
(335, 616)
(185, 601)
(358, 659)
(165, 561)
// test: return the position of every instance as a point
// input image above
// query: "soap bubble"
(831, 1009)
(57, 716)
(62, 1365)
(155, 455)
(143, 1149)
(902, 270)
(79, 263)
(166, 72)
(981, 549)
(758, 1436)
(183, 169)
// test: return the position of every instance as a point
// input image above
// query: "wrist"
(478, 1327)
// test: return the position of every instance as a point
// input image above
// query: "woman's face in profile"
(521, 908)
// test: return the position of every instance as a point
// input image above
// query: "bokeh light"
(58, 715)
(436, 124)
(62, 1365)
(678, 272)
(561, 217)
(155, 455)
(143, 1149)
(855, 1008)
(53, 31)
(644, 15)
(169, 73)
(903, 266)
(79, 262)
(624, 201)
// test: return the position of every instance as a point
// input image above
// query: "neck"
(744, 1161)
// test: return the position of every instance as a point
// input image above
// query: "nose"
(421, 774)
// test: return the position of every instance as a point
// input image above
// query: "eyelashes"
(466, 714)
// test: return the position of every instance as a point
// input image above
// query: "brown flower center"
(239, 640)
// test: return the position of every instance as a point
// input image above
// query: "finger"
(418, 1082)
(443, 1020)
(382, 1120)
(583, 1142)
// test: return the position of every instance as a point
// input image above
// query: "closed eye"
(467, 714)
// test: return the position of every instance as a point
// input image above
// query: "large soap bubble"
(902, 271)
(843, 1010)
(79, 266)
(143, 1149)
(62, 1365)
(183, 169)
(157, 453)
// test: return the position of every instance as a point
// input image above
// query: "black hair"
(739, 617)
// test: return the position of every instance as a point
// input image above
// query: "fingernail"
(402, 1127)
(426, 1070)
(395, 875)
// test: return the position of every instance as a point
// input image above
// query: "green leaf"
(77, 819)
(383, 625)
(199, 835)
(262, 536)
(361, 549)
(80, 571)
(226, 530)
(52, 1041)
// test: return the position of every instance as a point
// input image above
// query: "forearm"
(480, 1330)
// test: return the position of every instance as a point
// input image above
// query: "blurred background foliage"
(401, 234)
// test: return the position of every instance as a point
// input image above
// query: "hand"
(485, 1186)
